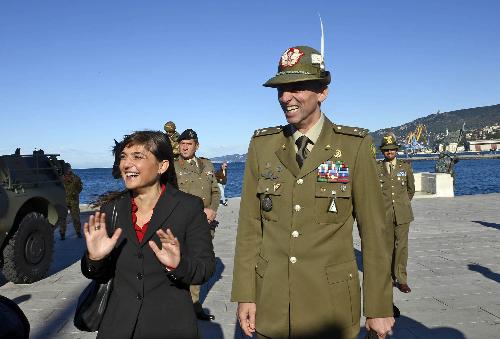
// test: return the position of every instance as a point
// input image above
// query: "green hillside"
(436, 124)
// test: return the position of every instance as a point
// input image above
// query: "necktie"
(302, 151)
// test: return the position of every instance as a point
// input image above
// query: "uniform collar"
(313, 133)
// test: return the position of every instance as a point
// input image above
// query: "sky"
(74, 75)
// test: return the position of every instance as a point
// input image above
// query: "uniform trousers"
(400, 253)
(74, 209)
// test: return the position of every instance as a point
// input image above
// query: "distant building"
(484, 145)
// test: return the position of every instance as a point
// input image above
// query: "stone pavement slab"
(454, 272)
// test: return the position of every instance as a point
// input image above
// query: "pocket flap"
(341, 272)
(332, 189)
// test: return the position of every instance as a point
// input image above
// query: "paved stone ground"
(454, 271)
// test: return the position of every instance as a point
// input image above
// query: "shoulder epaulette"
(356, 131)
(267, 131)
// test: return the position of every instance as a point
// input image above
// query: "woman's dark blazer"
(146, 300)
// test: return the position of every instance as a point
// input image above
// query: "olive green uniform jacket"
(198, 180)
(398, 189)
(297, 261)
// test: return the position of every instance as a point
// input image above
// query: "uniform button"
(267, 189)
(139, 297)
(392, 193)
(295, 234)
(350, 275)
(293, 260)
(392, 186)
(300, 181)
(393, 201)
(139, 276)
(297, 208)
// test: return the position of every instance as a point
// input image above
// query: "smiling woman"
(150, 293)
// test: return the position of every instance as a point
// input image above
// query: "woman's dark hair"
(157, 143)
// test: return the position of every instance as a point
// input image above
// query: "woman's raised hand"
(170, 252)
(99, 244)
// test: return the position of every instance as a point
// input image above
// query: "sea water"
(471, 177)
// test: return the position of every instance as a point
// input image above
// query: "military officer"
(295, 272)
(72, 186)
(398, 187)
(196, 176)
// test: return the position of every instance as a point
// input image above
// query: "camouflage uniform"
(73, 186)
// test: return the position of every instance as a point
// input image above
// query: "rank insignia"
(333, 171)
(267, 204)
(276, 186)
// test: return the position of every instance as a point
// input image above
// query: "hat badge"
(388, 139)
(291, 57)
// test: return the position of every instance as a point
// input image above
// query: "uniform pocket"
(345, 292)
(260, 271)
(332, 202)
(269, 192)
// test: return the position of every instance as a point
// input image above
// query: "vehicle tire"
(28, 254)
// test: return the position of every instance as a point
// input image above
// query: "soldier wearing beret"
(195, 175)
(72, 186)
(295, 272)
(398, 187)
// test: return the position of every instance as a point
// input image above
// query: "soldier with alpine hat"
(295, 272)
(196, 175)
(398, 187)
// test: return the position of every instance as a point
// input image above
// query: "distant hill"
(475, 120)
(437, 124)
(230, 158)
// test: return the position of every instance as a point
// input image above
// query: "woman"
(159, 245)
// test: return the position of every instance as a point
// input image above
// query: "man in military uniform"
(398, 187)
(196, 176)
(295, 272)
(173, 136)
(73, 186)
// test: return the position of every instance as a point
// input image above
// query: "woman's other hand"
(99, 244)
(170, 252)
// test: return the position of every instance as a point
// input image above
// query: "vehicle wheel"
(28, 254)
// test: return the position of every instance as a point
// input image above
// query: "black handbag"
(93, 300)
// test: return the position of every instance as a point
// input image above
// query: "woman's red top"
(139, 232)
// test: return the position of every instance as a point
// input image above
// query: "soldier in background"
(73, 186)
(173, 135)
(196, 176)
(398, 187)
(295, 272)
